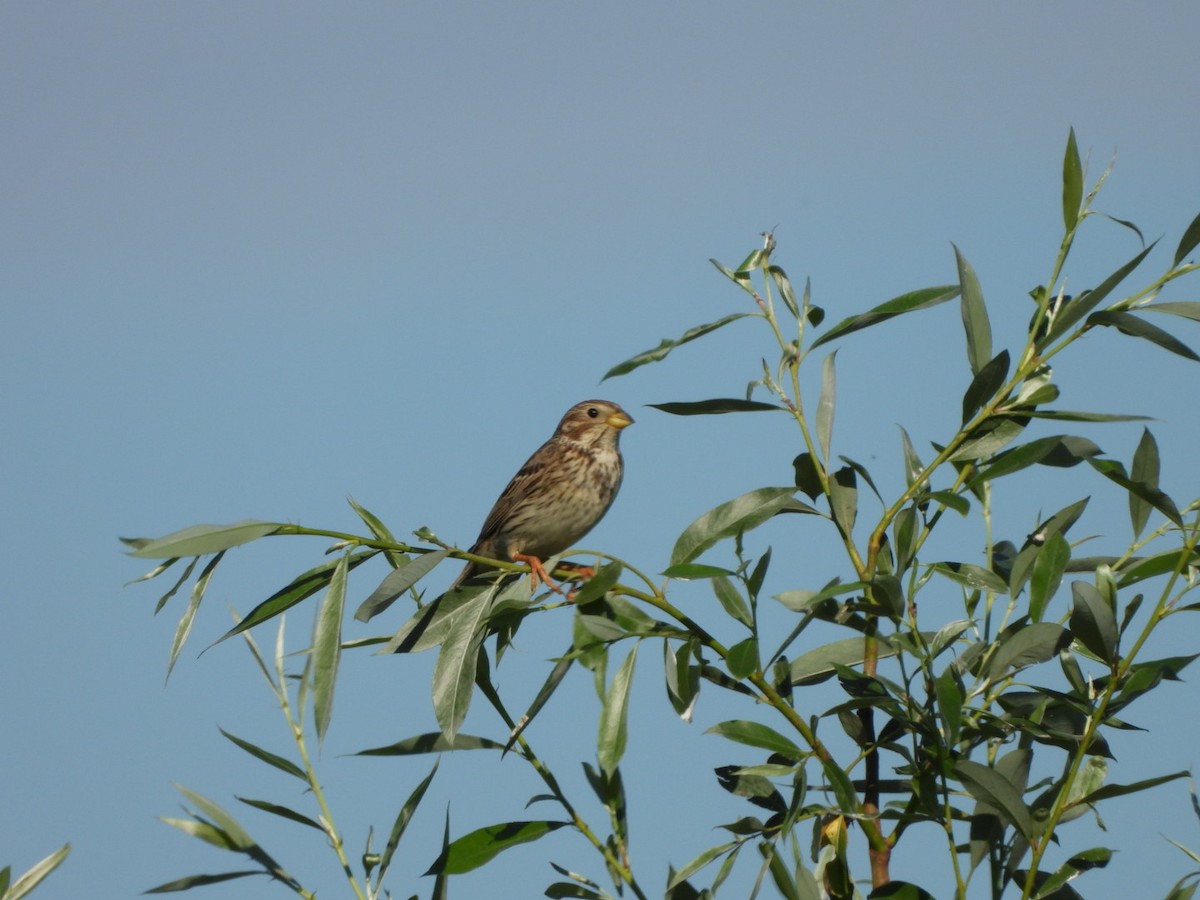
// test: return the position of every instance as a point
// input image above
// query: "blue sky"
(256, 257)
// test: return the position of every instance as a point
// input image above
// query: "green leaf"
(971, 576)
(1121, 790)
(236, 836)
(950, 703)
(1115, 472)
(433, 742)
(614, 716)
(381, 531)
(913, 467)
(1059, 523)
(1027, 645)
(35, 874)
(690, 571)
(819, 664)
(271, 759)
(301, 588)
(985, 384)
(184, 628)
(785, 289)
(729, 519)
(715, 407)
(1083, 304)
(396, 583)
(1187, 309)
(1048, 567)
(1143, 470)
(1127, 323)
(743, 658)
(402, 819)
(200, 540)
(755, 734)
(1095, 858)
(1058, 450)
(191, 881)
(825, 405)
(661, 351)
(1072, 415)
(454, 671)
(731, 601)
(682, 678)
(843, 498)
(808, 478)
(327, 647)
(1072, 195)
(1191, 237)
(991, 787)
(472, 850)
(700, 862)
(283, 812)
(1093, 622)
(906, 303)
(974, 315)
(989, 436)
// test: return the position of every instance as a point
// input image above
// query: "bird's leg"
(537, 572)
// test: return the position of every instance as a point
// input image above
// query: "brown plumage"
(560, 493)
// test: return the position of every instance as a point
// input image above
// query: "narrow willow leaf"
(906, 303)
(187, 573)
(191, 881)
(755, 734)
(843, 498)
(682, 678)
(913, 467)
(785, 289)
(826, 404)
(699, 863)
(433, 742)
(200, 540)
(1026, 646)
(1093, 622)
(842, 786)
(271, 759)
(742, 660)
(1072, 195)
(1048, 567)
(971, 576)
(396, 583)
(614, 716)
(808, 476)
(1191, 237)
(1059, 523)
(1158, 564)
(35, 874)
(327, 647)
(429, 626)
(1121, 790)
(819, 664)
(482, 845)
(402, 819)
(184, 628)
(974, 315)
(381, 531)
(950, 703)
(1083, 304)
(238, 837)
(985, 384)
(283, 812)
(661, 351)
(1071, 415)
(1055, 885)
(733, 602)
(1143, 470)
(1127, 323)
(1060, 450)
(1115, 472)
(900, 890)
(715, 407)
(454, 671)
(301, 588)
(729, 519)
(1187, 309)
(991, 787)
(990, 436)
(549, 686)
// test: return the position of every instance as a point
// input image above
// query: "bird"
(561, 492)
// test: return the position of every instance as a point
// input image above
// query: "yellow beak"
(618, 420)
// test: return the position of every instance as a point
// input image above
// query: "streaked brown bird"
(560, 493)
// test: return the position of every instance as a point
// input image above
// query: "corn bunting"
(560, 493)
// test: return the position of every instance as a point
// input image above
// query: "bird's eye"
(593, 412)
